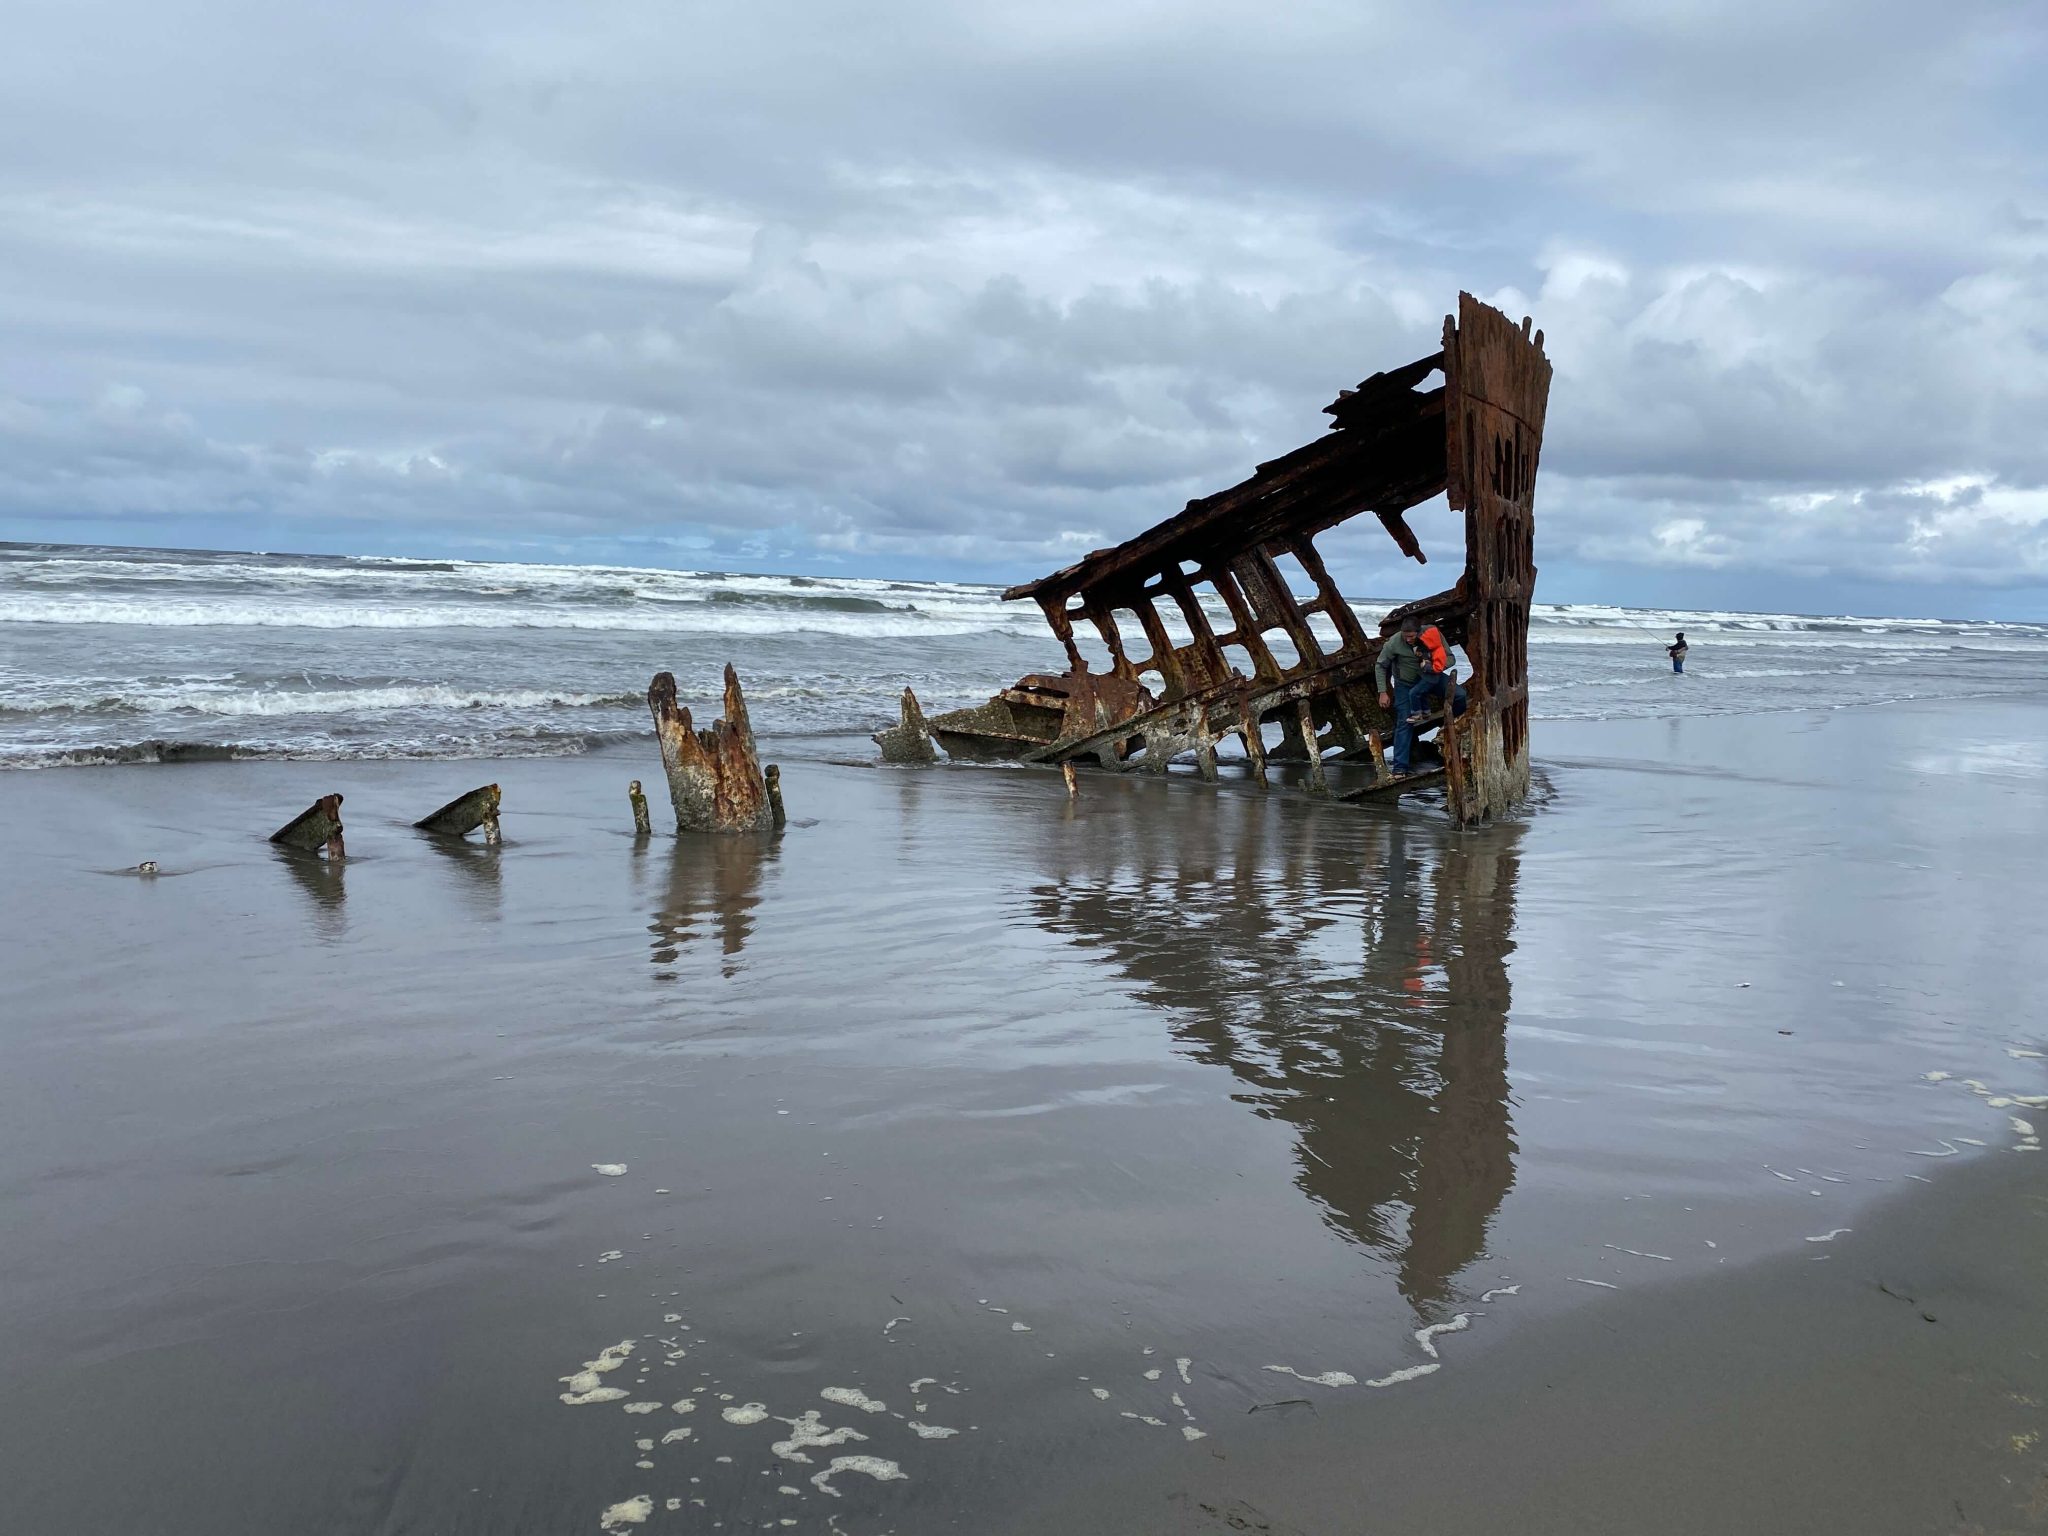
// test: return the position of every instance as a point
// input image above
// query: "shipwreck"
(1274, 655)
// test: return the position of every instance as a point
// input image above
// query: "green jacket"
(1400, 660)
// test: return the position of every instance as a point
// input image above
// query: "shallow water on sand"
(958, 1108)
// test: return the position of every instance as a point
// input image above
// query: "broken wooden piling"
(910, 740)
(714, 776)
(465, 813)
(1073, 781)
(775, 812)
(317, 826)
(642, 827)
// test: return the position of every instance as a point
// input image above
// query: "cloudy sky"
(965, 289)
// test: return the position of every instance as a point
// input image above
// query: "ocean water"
(121, 655)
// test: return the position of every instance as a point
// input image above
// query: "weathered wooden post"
(316, 827)
(465, 813)
(775, 811)
(909, 741)
(1073, 780)
(642, 827)
(714, 776)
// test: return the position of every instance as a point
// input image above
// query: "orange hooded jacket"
(1439, 653)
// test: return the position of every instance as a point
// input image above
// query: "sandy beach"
(965, 1160)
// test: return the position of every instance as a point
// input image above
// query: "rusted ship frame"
(1297, 655)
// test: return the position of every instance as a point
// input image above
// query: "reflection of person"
(1677, 653)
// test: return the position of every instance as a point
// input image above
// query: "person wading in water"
(1676, 652)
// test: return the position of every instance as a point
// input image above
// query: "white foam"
(1604, 1285)
(1153, 1374)
(1189, 1432)
(1145, 1418)
(882, 1471)
(1182, 1365)
(744, 1413)
(593, 1395)
(1426, 1336)
(1101, 1393)
(808, 1431)
(643, 1407)
(1505, 1290)
(676, 1434)
(1636, 1253)
(1395, 1378)
(610, 1170)
(633, 1511)
(853, 1397)
(584, 1386)
(1020, 1327)
(931, 1431)
(1829, 1237)
(684, 1405)
(1326, 1379)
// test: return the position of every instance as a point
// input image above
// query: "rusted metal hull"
(910, 739)
(315, 828)
(465, 813)
(714, 776)
(1273, 643)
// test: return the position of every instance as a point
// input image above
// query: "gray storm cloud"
(967, 289)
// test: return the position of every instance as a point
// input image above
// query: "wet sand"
(1055, 1126)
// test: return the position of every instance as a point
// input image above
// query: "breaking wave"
(218, 700)
(133, 656)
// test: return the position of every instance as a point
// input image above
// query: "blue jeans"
(1426, 692)
(1678, 663)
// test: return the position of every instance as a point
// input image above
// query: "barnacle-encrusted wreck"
(1292, 653)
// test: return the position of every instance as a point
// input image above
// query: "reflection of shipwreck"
(1273, 644)
(1370, 1015)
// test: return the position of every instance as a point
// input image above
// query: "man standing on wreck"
(1399, 669)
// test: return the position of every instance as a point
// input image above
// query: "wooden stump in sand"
(714, 776)
(642, 827)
